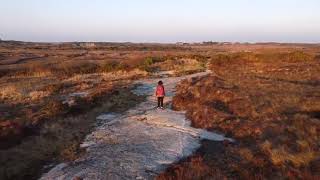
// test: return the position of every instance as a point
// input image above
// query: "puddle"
(79, 94)
(107, 117)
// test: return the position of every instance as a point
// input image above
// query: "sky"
(160, 20)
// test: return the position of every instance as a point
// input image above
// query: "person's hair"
(160, 83)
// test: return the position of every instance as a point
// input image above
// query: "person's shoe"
(161, 107)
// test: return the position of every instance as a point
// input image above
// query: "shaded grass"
(59, 140)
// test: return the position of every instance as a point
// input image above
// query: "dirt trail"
(139, 144)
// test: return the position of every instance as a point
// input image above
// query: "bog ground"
(85, 110)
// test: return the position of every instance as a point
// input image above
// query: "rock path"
(138, 144)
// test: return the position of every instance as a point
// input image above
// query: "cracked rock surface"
(138, 144)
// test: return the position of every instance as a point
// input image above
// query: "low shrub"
(114, 66)
(247, 57)
(146, 64)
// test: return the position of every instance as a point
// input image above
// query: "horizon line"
(157, 42)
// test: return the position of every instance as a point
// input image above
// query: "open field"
(265, 96)
(51, 94)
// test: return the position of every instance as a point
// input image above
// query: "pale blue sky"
(161, 20)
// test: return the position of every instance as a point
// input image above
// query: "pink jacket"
(160, 91)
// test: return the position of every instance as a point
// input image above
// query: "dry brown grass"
(267, 101)
(192, 168)
(39, 119)
(280, 156)
(35, 79)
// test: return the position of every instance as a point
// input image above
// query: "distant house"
(209, 43)
(226, 43)
(88, 44)
(182, 43)
(83, 44)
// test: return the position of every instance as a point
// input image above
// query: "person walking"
(160, 93)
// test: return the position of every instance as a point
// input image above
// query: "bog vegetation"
(51, 94)
(269, 102)
(265, 96)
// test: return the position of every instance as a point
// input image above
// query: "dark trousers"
(160, 101)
